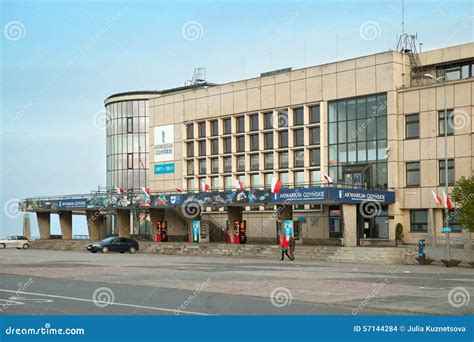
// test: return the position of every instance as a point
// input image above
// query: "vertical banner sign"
(288, 228)
(164, 143)
(196, 230)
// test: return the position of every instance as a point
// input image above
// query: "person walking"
(284, 248)
(291, 245)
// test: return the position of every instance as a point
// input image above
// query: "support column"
(233, 214)
(94, 223)
(156, 215)
(65, 221)
(432, 226)
(44, 225)
(349, 212)
(123, 222)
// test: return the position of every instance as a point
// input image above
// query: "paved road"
(43, 282)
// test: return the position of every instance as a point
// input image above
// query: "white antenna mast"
(403, 16)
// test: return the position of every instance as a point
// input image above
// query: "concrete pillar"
(349, 213)
(65, 221)
(432, 226)
(94, 223)
(123, 222)
(156, 215)
(44, 225)
(234, 213)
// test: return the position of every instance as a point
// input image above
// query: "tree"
(463, 195)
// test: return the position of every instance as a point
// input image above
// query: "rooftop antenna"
(403, 17)
(199, 76)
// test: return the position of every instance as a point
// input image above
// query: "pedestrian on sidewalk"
(284, 248)
(291, 245)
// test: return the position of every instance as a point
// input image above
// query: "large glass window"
(190, 184)
(227, 145)
(442, 172)
(190, 149)
(283, 177)
(241, 163)
(412, 126)
(315, 177)
(254, 180)
(283, 160)
(214, 183)
(214, 128)
(441, 122)
(314, 136)
(202, 148)
(314, 114)
(298, 158)
(413, 173)
(214, 146)
(298, 137)
(202, 166)
(254, 142)
(283, 139)
(298, 177)
(268, 160)
(453, 220)
(240, 143)
(283, 118)
(268, 140)
(227, 126)
(254, 162)
(228, 183)
(227, 164)
(202, 129)
(315, 157)
(268, 118)
(268, 179)
(253, 122)
(419, 220)
(215, 165)
(190, 167)
(298, 116)
(240, 124)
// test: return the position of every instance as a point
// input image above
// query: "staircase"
(407, 45)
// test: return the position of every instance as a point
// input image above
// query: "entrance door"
(335, 222)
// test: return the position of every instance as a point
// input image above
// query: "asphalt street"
(43, 282)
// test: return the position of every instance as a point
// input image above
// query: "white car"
(16, 241)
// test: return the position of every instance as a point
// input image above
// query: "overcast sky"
(60, 61)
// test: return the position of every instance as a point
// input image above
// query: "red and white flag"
(146, 191)
(205, 187)
(327, 178)
(276, 185)
(239, 185)
(447, 201)
(120, 190)
(437, 198)
(179, 190)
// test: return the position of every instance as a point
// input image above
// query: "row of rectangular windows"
(412, 124)
(419, 220)
(413, 173)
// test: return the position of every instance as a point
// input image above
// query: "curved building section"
(128, 140)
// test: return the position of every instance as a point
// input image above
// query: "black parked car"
(114, 244)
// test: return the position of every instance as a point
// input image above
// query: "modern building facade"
(373, 123)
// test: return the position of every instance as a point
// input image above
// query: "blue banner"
(164, 168)
(237, 328)
(73, 203)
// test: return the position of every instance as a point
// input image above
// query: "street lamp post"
(446, 210)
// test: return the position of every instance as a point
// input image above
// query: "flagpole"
(446, 172)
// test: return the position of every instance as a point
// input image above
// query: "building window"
(227, 126)
(202, 148)
(189, 130)
(283, 118)
(314, 116)
(227, 164)
(268, 177)
(215, 165)
(214, 128)
(268, 161)
(442, 174)
(419, 220)
(315, 177)
(298, 137)
(240, 163)
(412, 126)
(214, 146)
(190, 167)
(315, 157)
(268, 118)
(254, 162)
(283, 177)
(254, 142)
(253, 122)
(190, 149)
(298, 177)
(283, 139)
(441, 122)
(190, 184)
(314, 136)
(240, 143)
(299, 158)
(254, 180)
(214, 183)
(202, 166)
(298, 116)
(453, 217)
(129, 125)
(202, 129)
(129, 160)
(228, 183)
(268, 140)
(455, 72)
(283, 160)
(240, 124)
(413, 173)
(227, 145)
